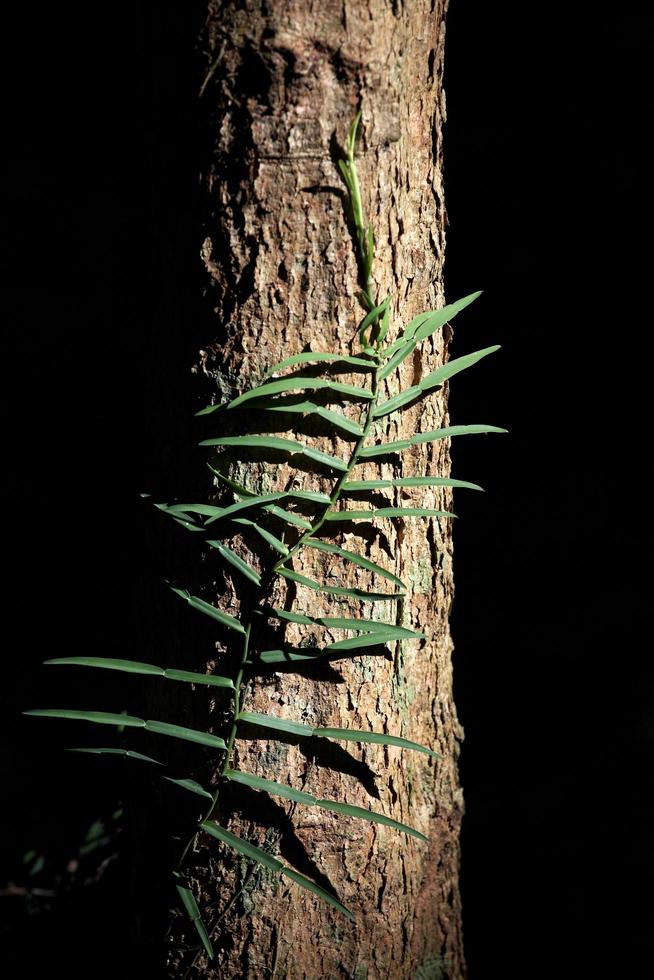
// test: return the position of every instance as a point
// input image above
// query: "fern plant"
(289, 394)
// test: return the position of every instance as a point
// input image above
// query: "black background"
(548, 175)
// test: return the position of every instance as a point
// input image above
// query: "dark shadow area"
(548, 190)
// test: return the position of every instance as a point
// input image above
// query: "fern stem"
(230, 742)
(338, 487)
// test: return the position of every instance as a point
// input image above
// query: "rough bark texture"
(283, 81)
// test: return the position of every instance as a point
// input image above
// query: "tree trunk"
(284, 79)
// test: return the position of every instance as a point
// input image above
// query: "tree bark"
(283, 81)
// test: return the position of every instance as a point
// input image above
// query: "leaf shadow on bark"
(272, 815)
(322, 752)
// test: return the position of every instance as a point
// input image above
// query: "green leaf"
(134, 667)
(317, 357)
(236, 561)
(366, 515)
(427, 323)
(316, 889)
(223, 513)
(371, 317)
(242, 846)
(432, 381)
(269, 786)
(97, 717)
(292, 617)
(223, 618)
(325, 459)
(309, 583)
(453, 430)
(193, 677)
(126, 753)
(372, 639)
(204, 936)
(108, 718)
(368, 626)
(274, 542)
(191, 786)
(397, 401)
(127, 666)
(193, 912)
(370, 815)
(453, 367)
(277, 724)
(359, 560)
(288, 656)
(297, 796)
(350, 735)
(189, 902)
(290, 384)
(186, 734)
(290, 517)
(309, 408)
(408, 481)
(256, 442)
(400, 355)
(274, 442)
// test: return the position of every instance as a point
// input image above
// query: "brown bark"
(283, 80)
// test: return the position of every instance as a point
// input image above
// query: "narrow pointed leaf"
(453, 367)
(223, 618)
(186, 734)
(309, 583)
(453, 430)
(370, 318)
(242, 846)
(325, 459)
(382, 449)
(193, 912)
(127, 666)
(273, 541)
(309, 408)
(438, 318)
(372, 639)
(277, 724)
(269, 786)
(350, 735)
(236, 561)
(292, 617)
(223, 513)
(289, 656)
(189, 902)
(290, 517)
(134, 667)
(316, 889)
(370, 815)
(359, 560)
(97, 717)
(125, 753)
(290, 384)
(274, 442)
(366, 515)
(397, 401)
(193, 677)
(368, 626)
(400, 355)
(408, 481)
(256, 442)
(427, 323)
(201, 930)
(191, 786)
(316, 357)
